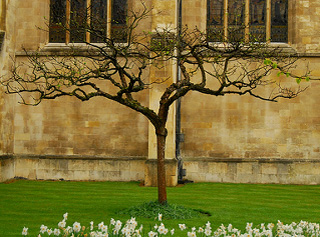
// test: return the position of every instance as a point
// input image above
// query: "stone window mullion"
(109, 18)
(225, 18)
(68, 18)
(88, 20)
(268, 21)
(247, 20)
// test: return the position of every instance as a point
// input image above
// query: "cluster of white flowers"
(303, 228)
(131, 229)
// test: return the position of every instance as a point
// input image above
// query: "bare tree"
(119, 71)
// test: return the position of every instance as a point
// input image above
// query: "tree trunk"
(162, 186)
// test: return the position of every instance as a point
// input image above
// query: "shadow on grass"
(170, 211)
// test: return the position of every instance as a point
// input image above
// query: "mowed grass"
(32, 203)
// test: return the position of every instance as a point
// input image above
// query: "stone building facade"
(226, 139)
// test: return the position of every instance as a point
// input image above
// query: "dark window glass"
(98, 21)
(215, 19)
(119, 20)
(57, 33)
(78, 20)
(258, 20)
(279, 21)
(236, 12)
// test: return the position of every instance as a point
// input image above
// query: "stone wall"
(277, 171)
(229, 139)
(7, 53)
(245, 127)
(7, 171)
(79, 168)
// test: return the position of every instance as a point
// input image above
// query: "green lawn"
(32, 203)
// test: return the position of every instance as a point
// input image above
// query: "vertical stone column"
(7, 51)
(163, 16)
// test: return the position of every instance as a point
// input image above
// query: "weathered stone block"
(151, 179)
(267, 168)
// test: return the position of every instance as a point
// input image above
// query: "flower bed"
(132, 228)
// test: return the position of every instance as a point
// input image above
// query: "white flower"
(56, 232)
(192, 234)
(43, 229)
(65, 216)
(25, 231)
(162, 229)
(100, 225)
(207, 231)
(172, 232)
(49, 231)
(118, 225)
(76, 227)
(159, 217)
(155, 226)
(200, 230)
(126, 231)
(132, 223)
(152, 234)
(104, 229)
(62, 224)
(182, 226)
(208, 225)
(270, 226)
(248, 227)
(68, 230)
(112, 221)
(91, 225)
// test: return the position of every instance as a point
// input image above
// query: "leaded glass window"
(258, 19)
(92, 21)
(118, 23)
(78, 16)
(98, 16)
(262, 20)
(279, 20)
(57, 20)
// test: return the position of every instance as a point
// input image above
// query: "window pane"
(119, 20)
(236, 12)
(78, 19)
(279, 21)
(98, 20)
(57, 22)
(258, 20)
(214, 19)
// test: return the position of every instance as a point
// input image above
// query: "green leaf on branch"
(280, 73)
(298, 80)
(267, 62)
(307, 78)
